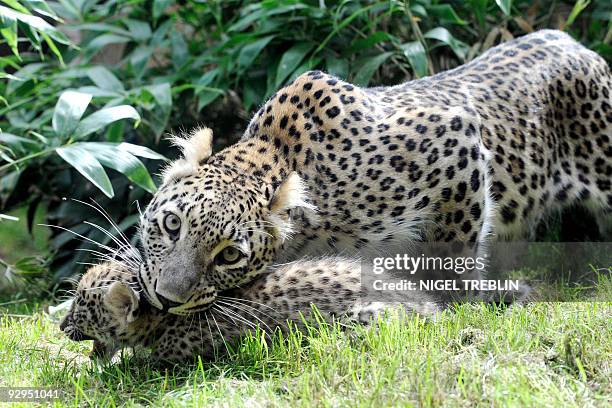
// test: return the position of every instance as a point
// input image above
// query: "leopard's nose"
(65, 322)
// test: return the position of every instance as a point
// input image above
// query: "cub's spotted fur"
(480, 152)
(108, 309)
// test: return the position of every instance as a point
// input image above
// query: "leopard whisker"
(249, 301)
(237, 305)
(227, 312)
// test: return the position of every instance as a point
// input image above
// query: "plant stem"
(25, 158)
(419, 35)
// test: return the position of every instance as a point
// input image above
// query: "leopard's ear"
(123, 300)
(289, 195)
(196, 148)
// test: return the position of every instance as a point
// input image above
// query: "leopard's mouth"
(148, 288)
(199, 304)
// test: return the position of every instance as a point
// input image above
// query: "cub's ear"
(289, 195)
(123, 300)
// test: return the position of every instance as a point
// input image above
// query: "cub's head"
(104, 308)
(211, 226)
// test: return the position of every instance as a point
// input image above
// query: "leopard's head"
(104, 307)
(210, 227)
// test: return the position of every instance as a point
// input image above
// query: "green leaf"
(369, 42)
(578, 8)
(505, 6)
(290, 60)
(363, 76)
(98, 120)
(159, 6)
(105, 79)
(337, 66)
(417, 57)
(121, 160)
(180, 50)
(68, 111)
(162, 93)
(206, 98)
(140, 30)
(10, 35)
(18, 143)
(141, 151)
(105, 39)
(445, 13)
(441, 34)
(86, 164)
(249, 52)
(96, 92)
(114, 133)
(260, 15)
(8, 15)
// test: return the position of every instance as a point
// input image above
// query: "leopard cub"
(109, 309)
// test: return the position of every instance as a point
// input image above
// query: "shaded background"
(180, 64)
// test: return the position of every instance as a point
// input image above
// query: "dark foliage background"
(166, 66)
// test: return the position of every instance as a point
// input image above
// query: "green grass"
(540, 354)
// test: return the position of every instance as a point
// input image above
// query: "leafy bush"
(170, 65)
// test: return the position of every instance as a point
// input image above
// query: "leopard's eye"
(228, 256)
(172, 223)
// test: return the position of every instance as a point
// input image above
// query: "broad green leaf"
(141, 151)
(337, 66)
(105, 39)
(364, 74)
(418, 10)
(96, 92)
(38, 6)
(101, 27)
(370, 41)
(162, 94)
(114, 133)
(206, 98)
(105, 79)
(86, 164)
(250, 17)
(19, 143)
(290, 60)
(417, 57)
(445, 13)
(7, 185)
(307, 65)
(442, 34)
(208, 77)
(98, 120)
(9, 33)
(140, 30)
(249, 52)
(68, 111)
(159, 6)
(121, 160)
(37, 23)
(140, 57)
(180, 50)
(17, 6)
(505, 6)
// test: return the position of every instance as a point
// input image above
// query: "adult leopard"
(480, 152)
